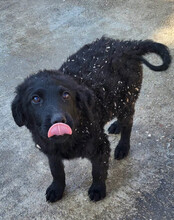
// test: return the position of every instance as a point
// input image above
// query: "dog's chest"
(71, 151)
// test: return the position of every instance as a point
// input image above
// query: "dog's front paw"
(97, 191)
(121, 151)
(54, 192)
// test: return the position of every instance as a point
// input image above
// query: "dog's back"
(113, 69)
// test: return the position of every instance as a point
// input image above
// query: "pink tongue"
(59, 129)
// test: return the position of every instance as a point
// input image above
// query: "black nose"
(57, 118)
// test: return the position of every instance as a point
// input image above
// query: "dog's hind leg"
(115, 128)
(125, 121)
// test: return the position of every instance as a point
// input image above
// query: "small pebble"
(149, 135)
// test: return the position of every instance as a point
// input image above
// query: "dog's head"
(49, 100)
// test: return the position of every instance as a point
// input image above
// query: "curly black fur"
(104, 80)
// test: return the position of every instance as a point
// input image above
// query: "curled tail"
(144, 47)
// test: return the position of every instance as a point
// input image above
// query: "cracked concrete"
(41, 34)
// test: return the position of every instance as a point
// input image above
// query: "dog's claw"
(97, 192)
(54, 193)
(121, 151)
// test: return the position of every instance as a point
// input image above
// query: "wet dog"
(66, 110)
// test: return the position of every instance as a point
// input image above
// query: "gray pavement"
(41, 34)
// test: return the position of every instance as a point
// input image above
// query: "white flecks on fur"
(107, 49)
(89, 74)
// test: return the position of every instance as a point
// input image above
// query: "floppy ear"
(17, 111)
(85, 101)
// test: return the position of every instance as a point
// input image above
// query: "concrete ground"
(41, 34)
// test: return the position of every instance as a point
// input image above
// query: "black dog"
(66, 110)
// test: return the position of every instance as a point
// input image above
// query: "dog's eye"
(66, 95)
(36, 99)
